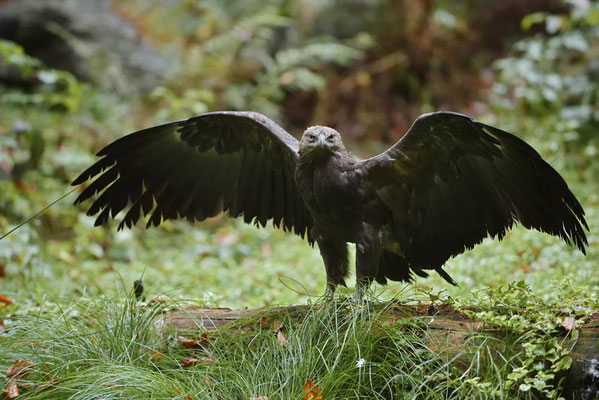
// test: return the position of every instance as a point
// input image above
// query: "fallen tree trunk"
(447, 329)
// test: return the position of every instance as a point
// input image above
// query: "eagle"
(447, 184)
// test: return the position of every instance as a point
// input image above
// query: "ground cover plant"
(67, 310)
(115, 347)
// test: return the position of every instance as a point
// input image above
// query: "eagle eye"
(330, 138)
(312, 137)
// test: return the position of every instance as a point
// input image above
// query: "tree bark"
(448, 330)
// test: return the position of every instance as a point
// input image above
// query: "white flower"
(360, 362)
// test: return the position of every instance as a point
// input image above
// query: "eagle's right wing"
(239, 162)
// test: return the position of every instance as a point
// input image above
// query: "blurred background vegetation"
(75, 75)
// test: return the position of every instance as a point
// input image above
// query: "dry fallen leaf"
(311, 391)
(186, 362)
(157, 300)
(178, 390)
(282, 339)
(195, 343)
(204, 339)
(5, 300)
(568, 323)
(263, 321)
(277, 329)
(47, 385)
(11, 391)
(422, 309)
(19, 369)
(188, 343)
(276, 326)
(181, 392)
(259, 398)
(157, 356)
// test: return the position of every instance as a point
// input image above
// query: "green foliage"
(515, 310)
(247, 64)
(55, 89)
(13, 55)
(554, 71)
(287, 71)
(78, 343)
(553, 75)
(114, 348)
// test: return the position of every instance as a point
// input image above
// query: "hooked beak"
(322, 142)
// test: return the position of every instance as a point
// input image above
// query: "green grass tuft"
(119, 348)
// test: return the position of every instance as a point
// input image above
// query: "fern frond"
(230, 41)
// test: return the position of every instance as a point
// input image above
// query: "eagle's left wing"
(452, 181)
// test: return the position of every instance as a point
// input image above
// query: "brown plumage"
(446, 185)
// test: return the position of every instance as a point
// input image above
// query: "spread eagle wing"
(239, 162)
(452, 181)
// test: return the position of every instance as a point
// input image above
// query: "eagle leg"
(336, 262)
(368, 252)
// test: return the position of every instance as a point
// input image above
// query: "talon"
(357, 297)
(329, 293)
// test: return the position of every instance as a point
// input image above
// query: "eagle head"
(320, 140)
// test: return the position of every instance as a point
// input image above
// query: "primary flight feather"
(447, 184)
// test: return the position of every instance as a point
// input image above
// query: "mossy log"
(448, 330)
